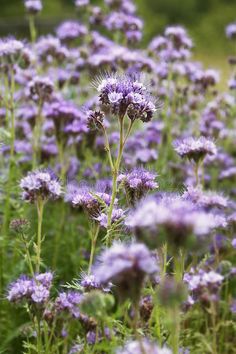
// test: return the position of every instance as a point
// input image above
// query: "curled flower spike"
(40, 89)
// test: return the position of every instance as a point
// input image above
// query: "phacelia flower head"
(170, 219)
(89, 282)
(95, 119)
(116, 217)
(68, 302)
(204, 286)
(32, 290)
(33, 7)
(91, 201)
(70, 30)
(81, 3)
(145, 346)
(10, 51)
(208, 200)
(125, 266)
(40, 89)
(231, 31)
(127, 95)
(137, 183)
(40, 184)
(195, 148)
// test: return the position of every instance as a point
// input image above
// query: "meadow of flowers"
(118, 198)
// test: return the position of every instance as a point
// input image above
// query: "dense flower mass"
(127, 95)
(40, 184)
(141, 242)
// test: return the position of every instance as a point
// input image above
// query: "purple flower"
(234, 243)
(89, 282)
(70, 30)
(124, 94)
(68, 302)
(172, 219)
(81, 3)
(90, 200)
(137, 183)
(143, 346)
(116, 217)
(207, 200)
(33, 7)
(33, 290)
(231, 31)
(125, 266)
(10, 50)
(40, 184)
(195, 148)
(40, 89)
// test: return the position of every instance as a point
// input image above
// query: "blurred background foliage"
(205, 20)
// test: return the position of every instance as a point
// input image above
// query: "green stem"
(40, 207)
(32, 28)
(196, 172)
(115, 172)
(94, 237)
(107, 148)
(175, 331)
(36, 136)
(28, 257)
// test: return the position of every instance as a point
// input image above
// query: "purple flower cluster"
(126, 95)
(204, 286)
(137, 183)
(125, 266)
(40, 184)
(33, 7)
(33, 290)
(68, 302)
(195, 148)
(173, 219)
(143, 346)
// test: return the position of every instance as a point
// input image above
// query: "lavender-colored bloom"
(231, 31)
(70, 30)
(137, 183)
(68, 302)
(125, 266)
(77, 349)
(49, 48)
(10, 50)
(116, 217)
(40, 89)
(33, 7)
(234, 243)
(233, 306)
(183, 224)
(124, 94)
(81, 3)
(195, 148)
(204, 286)
(89, 282)
(92, 201)
(229, 173)
(40, 184)
(33, 290)
(207, 199)
(144, 346)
